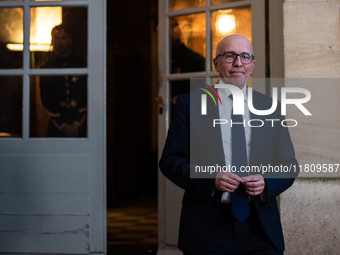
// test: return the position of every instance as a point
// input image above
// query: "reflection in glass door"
(58, 106)
(11, 106)
(58, 103)
(11, 20)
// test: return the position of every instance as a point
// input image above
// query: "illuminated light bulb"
(226, 23)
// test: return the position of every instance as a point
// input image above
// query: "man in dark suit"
(226, 212)
(64, 97)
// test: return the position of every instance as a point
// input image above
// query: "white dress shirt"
(225, 113)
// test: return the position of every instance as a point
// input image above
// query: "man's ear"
(215, 63)
(253, 65)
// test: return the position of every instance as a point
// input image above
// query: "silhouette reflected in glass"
(183, 60)
(64, 97)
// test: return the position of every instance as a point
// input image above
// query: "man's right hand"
(227, 182)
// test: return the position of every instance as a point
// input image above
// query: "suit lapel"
(255, 139)
(257, 133)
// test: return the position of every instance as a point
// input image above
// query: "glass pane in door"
(230, 21)
(58, 106)
(11, 37)
(187, 51)
(11, 106)
(223, 1)
(184, 4)
(52, 0)
(58, 37)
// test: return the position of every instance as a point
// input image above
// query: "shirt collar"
(225, 93)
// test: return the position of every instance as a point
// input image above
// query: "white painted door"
(52, 189)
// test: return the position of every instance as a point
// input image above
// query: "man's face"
(235, 73)
(61, 42)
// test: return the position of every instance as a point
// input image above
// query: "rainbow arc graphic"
(209, 93)
(204, 97)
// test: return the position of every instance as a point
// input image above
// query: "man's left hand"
(254, 184)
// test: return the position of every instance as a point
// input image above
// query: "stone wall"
(310, 209)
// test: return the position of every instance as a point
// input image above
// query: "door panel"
(44, 234)
(52, 189)
(47, 202)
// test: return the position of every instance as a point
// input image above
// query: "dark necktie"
(239, 198)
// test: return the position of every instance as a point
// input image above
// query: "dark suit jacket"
(269, 145)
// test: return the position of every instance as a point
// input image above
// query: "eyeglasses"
(230, 57)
